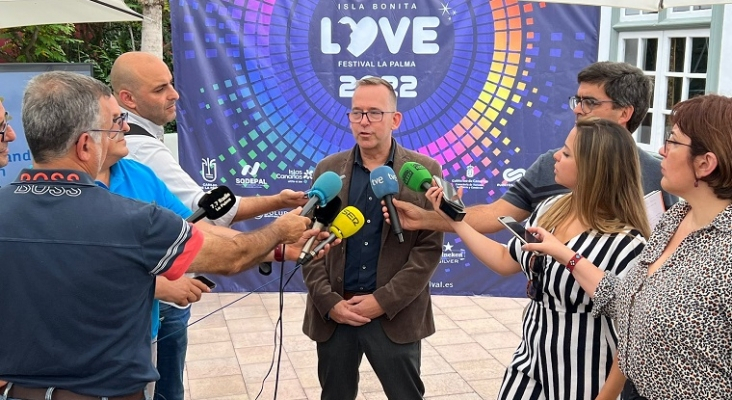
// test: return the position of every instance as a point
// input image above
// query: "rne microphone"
(385, 185)
(415, 176)
(324, 216)
(324, 189)
(214, 204)
(345, 225)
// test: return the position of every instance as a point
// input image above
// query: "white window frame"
(658, 107)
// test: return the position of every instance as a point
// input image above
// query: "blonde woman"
(565, 353)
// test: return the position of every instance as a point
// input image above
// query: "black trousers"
(396, 365)
(630, 392)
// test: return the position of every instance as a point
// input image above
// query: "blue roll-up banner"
(483, 85)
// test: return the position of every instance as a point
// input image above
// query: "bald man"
(7, 135)
(143, 86)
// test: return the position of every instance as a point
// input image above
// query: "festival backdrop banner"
(483, 85)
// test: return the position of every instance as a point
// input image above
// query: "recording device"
(208, 282)
(518, 230)
(345, 225)
(385, 185)
(451, 203)
(324, 216)
(415, 176)
(324, 189)
(214, 204)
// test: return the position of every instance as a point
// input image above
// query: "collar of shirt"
(54, 176)
(389, 161)
(148, 125)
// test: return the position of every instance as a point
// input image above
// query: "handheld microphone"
(214, 204)
(345, 225)
(324, 189)
(415, 176)
(324, 216)
(385, 185)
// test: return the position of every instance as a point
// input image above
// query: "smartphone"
(451, 203)
(208, 282)
(517, 230)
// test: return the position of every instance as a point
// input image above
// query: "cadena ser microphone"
(324, 216)
(415, 176)
(385, 185)
(324, 189)
(214, 204)
(345, 225)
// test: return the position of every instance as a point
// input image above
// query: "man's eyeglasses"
(534, 287)
(372, 116)
(587, 104)
(119, 122)
(4, 127)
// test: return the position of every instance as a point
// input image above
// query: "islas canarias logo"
(408, 44)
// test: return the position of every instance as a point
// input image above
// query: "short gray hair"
(376, 81)
(57, 108)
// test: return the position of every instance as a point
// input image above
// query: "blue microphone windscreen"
(384, 181)
(326, 187)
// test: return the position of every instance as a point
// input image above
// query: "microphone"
(324, 216)
(385, 185)
(324, 189)
(415, 176)
(345, 225)
(214, 204)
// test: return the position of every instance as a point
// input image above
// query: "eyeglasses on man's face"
(587, 104)
(371, 116)
(118, 122)
(536, 271)
(4, 127)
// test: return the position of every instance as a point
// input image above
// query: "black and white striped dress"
(565, 353)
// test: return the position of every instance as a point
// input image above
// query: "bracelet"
(573, 262)
(279, 252)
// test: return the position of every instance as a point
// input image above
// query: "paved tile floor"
(229, 353)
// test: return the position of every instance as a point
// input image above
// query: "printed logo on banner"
(470, 182)
(208, 169)
(405, 43)
(295, 176)
(510, 176)
(250, 179)
(452, 256)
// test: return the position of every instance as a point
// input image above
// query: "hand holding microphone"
(345, 224)
(416, 177)
(324, 216)
(214, 204)
(385, 185)
(324, 189)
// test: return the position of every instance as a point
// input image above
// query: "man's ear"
(625, 115)
(126, 99)
(83, 147)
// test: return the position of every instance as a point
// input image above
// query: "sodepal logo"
(208, 169)
(251, 170)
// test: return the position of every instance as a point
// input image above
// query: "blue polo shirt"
(78, 274)
(132, 179)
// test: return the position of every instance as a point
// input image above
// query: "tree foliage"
(98, 44)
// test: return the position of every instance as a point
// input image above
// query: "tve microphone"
(324, 189)
(345, 224)
(385, 185)
(415, 176)
(324, 216)
(214, 204)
